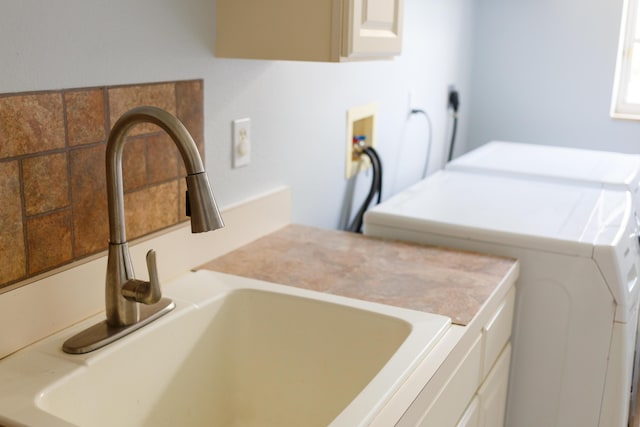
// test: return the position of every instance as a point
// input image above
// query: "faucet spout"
(123, 292)
(201, 198)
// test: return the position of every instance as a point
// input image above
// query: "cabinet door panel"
(471, 416)
(497, 331)
(450, 404)
(379, 14)
(493, 392)
(373, 28)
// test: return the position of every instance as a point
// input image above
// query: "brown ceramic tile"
(151, 209)
(31, 124)
(59, 228)
(162, 158)
(85, 116)
(13, 263)
(122, 99)
(134, 163)
(182, 170)
(88, 186)
(45, 183)
(49, 241)
(190, 109)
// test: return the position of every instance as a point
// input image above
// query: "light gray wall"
(298, 110)
(543, 73)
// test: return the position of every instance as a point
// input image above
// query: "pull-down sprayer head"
(202, 207)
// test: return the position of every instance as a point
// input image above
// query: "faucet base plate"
(101, 334)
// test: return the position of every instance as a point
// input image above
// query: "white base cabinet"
(474, 393)
(309, 30)
(487, 408)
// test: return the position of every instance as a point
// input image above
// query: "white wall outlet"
(241, 144)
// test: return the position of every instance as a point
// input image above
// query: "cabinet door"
(372, 28)
(493, 392)
(471, 416)
(450, 404)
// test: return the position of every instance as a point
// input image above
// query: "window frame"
(620, 109)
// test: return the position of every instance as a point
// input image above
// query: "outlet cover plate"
(241, 142)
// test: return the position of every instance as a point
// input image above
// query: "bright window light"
(626, 88)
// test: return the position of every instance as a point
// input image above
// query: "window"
(626, 88)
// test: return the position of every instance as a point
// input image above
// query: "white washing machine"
(558, 164)
(567, 165)
(577, 294)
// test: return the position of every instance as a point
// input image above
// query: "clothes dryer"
(577, 294)
(551, 163)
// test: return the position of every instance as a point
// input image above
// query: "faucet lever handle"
(142, 291)
(154, 282)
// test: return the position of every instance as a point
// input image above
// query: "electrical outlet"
(241, 144)
(453, 98)
(360, 125)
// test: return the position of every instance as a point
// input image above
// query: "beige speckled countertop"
(436, 280)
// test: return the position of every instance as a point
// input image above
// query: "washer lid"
(539, 215)
(573, 165)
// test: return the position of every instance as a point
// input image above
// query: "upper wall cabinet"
(309, 30)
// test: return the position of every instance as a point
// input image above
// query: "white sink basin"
(235, 352)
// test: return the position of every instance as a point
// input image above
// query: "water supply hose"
(454, 105)
(376, 187)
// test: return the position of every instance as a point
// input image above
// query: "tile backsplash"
(53, 194)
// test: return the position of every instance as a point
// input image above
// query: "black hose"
(454, 105)
(373, 153)
(453, 137)
(376, 187)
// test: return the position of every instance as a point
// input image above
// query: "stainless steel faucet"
(123, 292)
